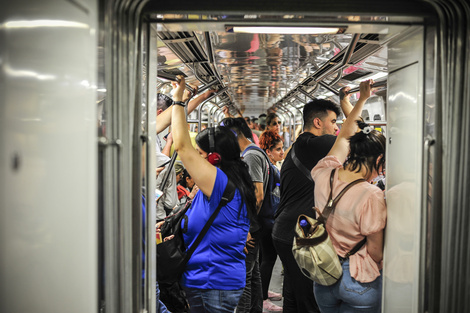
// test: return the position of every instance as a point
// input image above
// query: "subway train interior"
(79, 82)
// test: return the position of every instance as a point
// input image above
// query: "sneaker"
(268, 306)
(274, 296)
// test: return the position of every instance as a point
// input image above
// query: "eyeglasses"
(278, 123)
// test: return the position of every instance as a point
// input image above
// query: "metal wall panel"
(404, 163)
(48, 153)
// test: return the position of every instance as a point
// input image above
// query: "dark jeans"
(268, 259)
(251, 300)
(297, 289)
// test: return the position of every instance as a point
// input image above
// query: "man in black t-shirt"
(297, 198)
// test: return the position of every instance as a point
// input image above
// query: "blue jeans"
(349, 295)
(212, 300)
(161, 308)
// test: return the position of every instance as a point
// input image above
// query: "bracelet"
(180, 103)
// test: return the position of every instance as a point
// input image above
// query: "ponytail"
(367, 145)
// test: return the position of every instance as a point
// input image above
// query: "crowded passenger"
(166, 181)
(297, 186)
(273, 123)
(160, 306)
(251, 300)
(164, 102)
(248, 122)
(262, 122)
(256, 130)
(361, 213)
(248, 132)
(183, 179)
(215, 285)
(271, 143)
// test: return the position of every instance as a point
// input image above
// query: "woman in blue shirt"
(215, 274)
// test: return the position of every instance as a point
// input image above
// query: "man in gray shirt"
(252, 298)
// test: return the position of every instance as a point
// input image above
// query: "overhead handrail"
(186, 46)
(374, 85)
(196, 72)
(337, 78)
(325, 85)
(346, 58)
(305, 93)
(207, 86)
(291, 116)
(210, 55)
(364, 48)
(300, 99)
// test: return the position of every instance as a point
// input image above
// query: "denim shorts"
(212, 300)
(349, 295)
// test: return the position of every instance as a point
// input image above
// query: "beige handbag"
(312, 248)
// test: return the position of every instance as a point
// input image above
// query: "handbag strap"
(299, 164)
(227, 196)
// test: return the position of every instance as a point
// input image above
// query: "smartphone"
(158, 194)
(165, 163)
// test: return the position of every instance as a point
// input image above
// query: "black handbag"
(172, 256)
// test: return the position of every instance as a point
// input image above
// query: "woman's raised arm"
(164, 118)
(341, 147)
(201, 170)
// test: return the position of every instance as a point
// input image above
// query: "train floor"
(276, 281)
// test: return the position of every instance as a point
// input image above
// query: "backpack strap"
(227, 196)
(356, 248)
(331, 204)
(268, 165)
(258, 149)
(299, 164)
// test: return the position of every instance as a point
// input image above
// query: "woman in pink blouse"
(361, 212)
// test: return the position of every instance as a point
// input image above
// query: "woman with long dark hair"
(359, 215)
(215, 274)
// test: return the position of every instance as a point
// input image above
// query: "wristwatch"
(180, 103)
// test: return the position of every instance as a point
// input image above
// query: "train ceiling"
(257, 71)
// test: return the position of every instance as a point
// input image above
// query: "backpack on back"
(272, 192)
(312, 247)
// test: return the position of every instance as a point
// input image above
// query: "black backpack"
(172, 256)
(272, 192)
